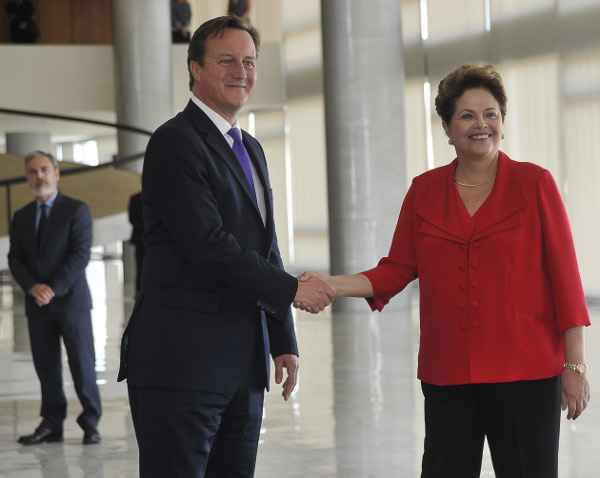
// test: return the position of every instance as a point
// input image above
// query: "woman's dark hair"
(467, 77)
(213, 28)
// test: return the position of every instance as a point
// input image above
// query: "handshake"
(315, 292)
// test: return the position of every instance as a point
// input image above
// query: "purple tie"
(242, 156)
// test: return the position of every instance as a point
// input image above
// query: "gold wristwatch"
(578, 367)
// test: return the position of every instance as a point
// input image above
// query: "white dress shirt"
(224, 126)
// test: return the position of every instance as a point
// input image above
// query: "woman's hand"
(575, 393)
(320, 296)
(315, 275)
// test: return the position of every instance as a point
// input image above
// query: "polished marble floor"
(357, 411)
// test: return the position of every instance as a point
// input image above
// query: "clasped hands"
(42, 294)
(315, 292)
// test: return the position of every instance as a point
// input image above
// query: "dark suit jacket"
(136, 218)
(214, 292)
(61, 262)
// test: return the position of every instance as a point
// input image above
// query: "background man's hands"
(42, 294)
(314, 293)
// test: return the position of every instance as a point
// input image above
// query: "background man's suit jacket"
(62, 259)
(215, 297)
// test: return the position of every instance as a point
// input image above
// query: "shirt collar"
(221, 123)
(50, 202)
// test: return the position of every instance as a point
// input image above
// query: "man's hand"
(314, 293)
(291, 363)
(42, 294)
(575, 393)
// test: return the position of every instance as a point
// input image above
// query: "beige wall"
(308, 160)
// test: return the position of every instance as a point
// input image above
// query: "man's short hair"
(214, 28)
(37, 153)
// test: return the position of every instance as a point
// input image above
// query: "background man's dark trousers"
(75, 328)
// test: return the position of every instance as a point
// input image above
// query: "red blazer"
(497, 290)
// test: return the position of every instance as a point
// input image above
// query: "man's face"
(227, 77)
(42, 176)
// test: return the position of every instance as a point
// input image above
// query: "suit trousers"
(196, 434)
(75, 328)
(521, 421)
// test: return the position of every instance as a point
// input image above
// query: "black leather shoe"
(91, 438)
(41, 435)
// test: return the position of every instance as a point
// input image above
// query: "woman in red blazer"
(501, 301)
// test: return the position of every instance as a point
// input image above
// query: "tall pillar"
(366, 168)
(364, 112)
(375, 386)
(24, 142)
(142, 48)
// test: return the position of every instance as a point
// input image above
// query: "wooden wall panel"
(69, 22)
(54, 21)
(91, 21)
(3, 25)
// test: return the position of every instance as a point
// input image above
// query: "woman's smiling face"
(476, 126)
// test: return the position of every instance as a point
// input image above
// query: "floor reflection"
(357, 412)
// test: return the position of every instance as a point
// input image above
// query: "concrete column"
(366, 167)
(375, 385)
(364, 113)
(25, 142)
(142, 48)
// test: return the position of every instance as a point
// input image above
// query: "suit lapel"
(30, 233)
(257, 159)
(215, 140)
(260, 164)
(52, 221)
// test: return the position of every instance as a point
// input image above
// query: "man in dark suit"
(215, 299)
(136, 219)
(50, 240)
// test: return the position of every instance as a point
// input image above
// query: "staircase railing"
(116, 161)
